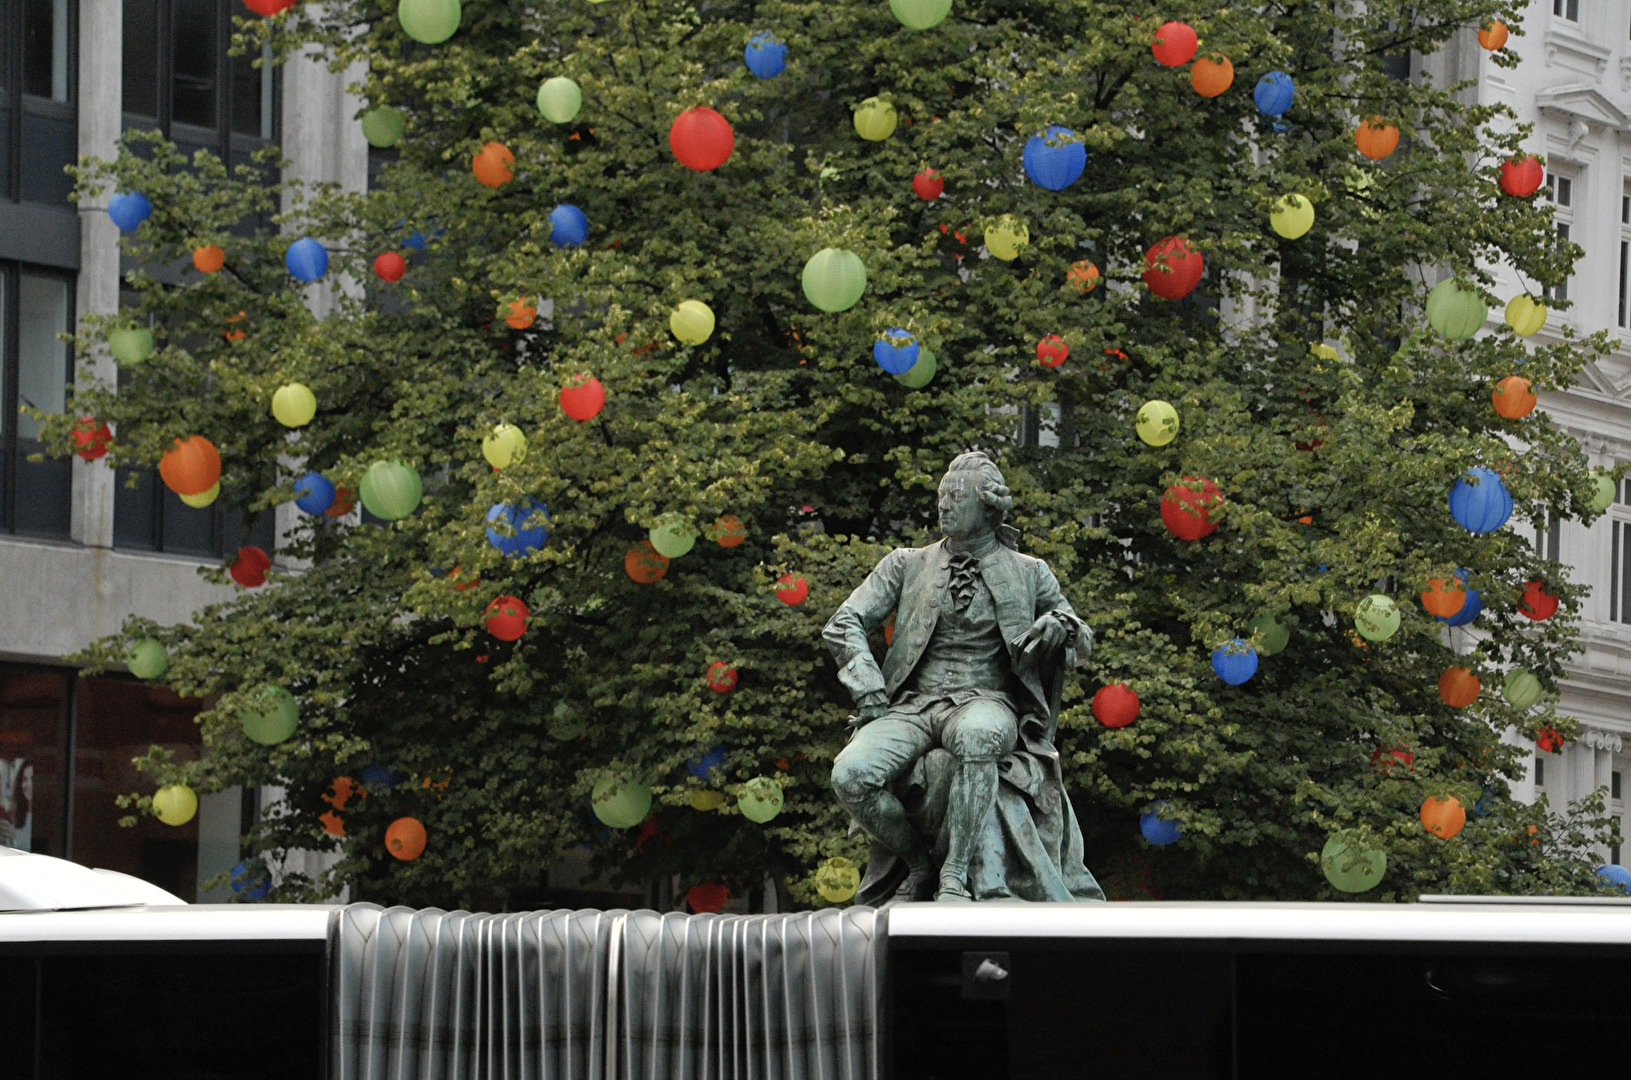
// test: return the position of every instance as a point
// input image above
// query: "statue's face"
(962, 516)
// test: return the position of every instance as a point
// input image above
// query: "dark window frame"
(20, 108)
(13, 448)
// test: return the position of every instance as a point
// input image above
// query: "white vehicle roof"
(1494, 920)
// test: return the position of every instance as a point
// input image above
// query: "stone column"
(101, 47)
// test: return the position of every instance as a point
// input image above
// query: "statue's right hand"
(867, 714)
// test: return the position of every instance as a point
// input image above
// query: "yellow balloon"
(294, 405)
(1291, 216)
(837, 879)
(875, 120)
(1325, 352)
(692, 322)
(175, 804)
(203, 498)
(504, 447)
(1525, 315)
(1006, 237)
(1157, 423)
(703, 799)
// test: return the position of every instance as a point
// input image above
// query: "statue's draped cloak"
(1030, 847)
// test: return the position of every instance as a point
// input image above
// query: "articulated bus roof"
(1539, 921)
(190, 922)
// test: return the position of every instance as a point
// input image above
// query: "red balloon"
(1549, 739)
(91, 438)
(1184, 510)
(249, 568)
(708, 897)
(791, 590)
(928, 184)
(1115, 705)
(389, 266)
(507, 618)
(701, 139)
(721, 677)
(1052, 351)
(268, 8)
(1537, 603)
(584, 399)
(1394, 756)
(1522, 176)
(1183, 268)
(1175, 44)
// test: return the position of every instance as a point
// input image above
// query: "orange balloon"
(208, 258)
(1444, 598)
(1443, 817)
(344, 501)
(333, 823)
(1459, 687)
(1514, 398)
(644, 563)
(729, 531)
(234, 335)
(521, 316)
(1493, 36)
(492, 165)
(191, 466)
(1376, 138)
(405, 839)
(1211, 77)
(1083, 276)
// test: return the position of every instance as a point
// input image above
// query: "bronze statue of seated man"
(952, 769)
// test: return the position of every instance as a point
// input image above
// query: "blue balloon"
(1054, 167)
(528, 520)
(1157, 829)
(766, 57)
(1273, 93)
(1479, 502)
(251, 881)
(1485, 803)
(381, 777)
(1470, 610)
(129, 209)
(713, 759)
(314, 493)
(1617, 876)
(568, 226)
(1234, 661)
(896, 351)
(307, 260)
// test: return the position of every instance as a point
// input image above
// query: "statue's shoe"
(952, 891)
(914, 887)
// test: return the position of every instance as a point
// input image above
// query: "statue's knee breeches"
(876, 757)
(982, 730)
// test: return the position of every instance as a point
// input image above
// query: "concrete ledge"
(57, 598)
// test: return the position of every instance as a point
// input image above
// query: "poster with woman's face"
(16, 803)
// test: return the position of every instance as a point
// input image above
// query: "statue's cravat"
(965, 578)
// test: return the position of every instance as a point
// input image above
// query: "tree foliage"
(1334, 465)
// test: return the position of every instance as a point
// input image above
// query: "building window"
(1614, 785)
(147, 516)
(1540, 771)
(178, 77)
(66, 745)
(37, 101)
(1549, 539)
(35, 369)
(1559, 191)
(1567, 9)
(1625, 253)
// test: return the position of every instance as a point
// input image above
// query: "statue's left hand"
(1049, 631)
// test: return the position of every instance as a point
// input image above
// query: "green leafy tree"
(1311, 393)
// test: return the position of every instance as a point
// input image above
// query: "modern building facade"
(83, 546)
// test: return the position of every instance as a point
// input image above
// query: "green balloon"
(1521, 688)
(1351, 869)
(131, 345)
(761, 799)
(1272, 635)
(382, 126)
(390, 490)
(1602, 490)
(1377, 617)
(559, 100)
(1455, 311)
(834, 279)
(429, 22)
(920, 14)
(270, 716)
(620, 804)
(918, 375)
(147, 659)
(673, 537)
